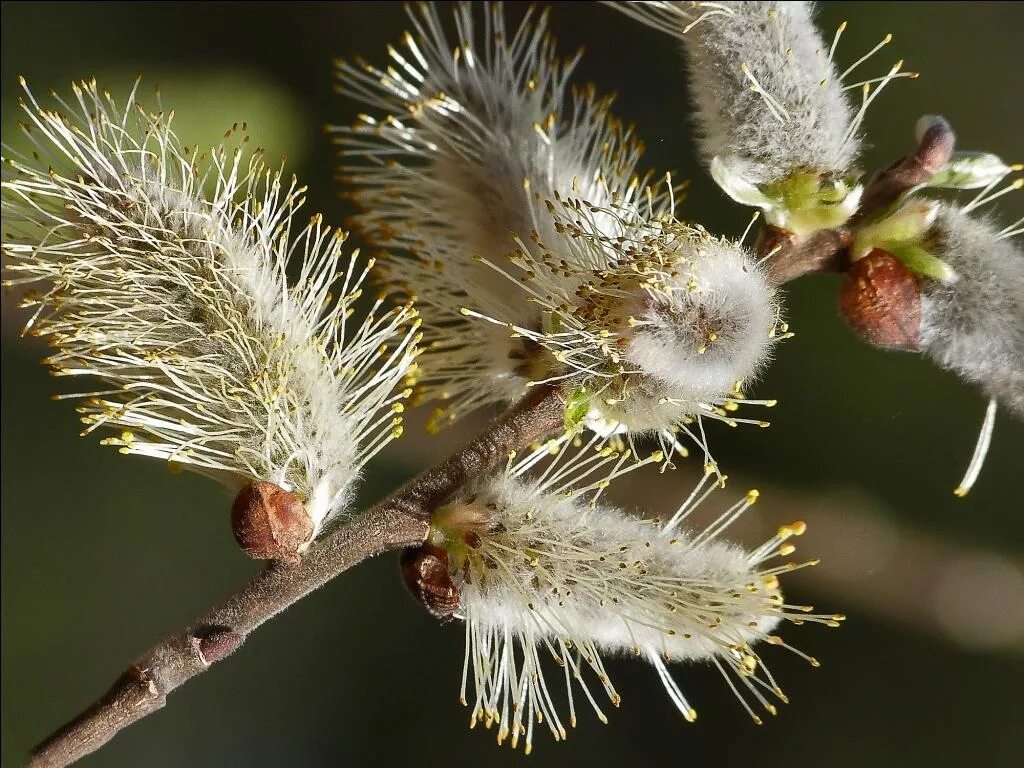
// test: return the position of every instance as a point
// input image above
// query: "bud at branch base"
(270, 523)
(881, 300)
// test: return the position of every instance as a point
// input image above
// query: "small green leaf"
(576, 408)
(918, 260)
(905, 226)
(970, 170)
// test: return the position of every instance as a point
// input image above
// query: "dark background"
(103, 554)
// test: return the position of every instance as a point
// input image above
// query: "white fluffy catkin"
(163, 275)
(800, 119)
(658, 322)
(766, 89)
(710, 326)
(476, 132)
(776, 127)
(545, 576)
(536, 252)
(975, 324)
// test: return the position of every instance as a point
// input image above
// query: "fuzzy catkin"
(544, 575)
(781, 48)
(164, 275)
(478, 130)
(537, 252)
(718, 330)
(662, 319)
(768, 96)
(975, 325)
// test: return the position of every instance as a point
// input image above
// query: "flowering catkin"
(163, 274)
(541, 573)
(776, 127)
(473, 139)
(534, 249)
(658, 322)
(766, 91)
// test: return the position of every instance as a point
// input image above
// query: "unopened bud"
(931, 125)
(426, 573)
(216, 643)
(881, 300)
(270, 523)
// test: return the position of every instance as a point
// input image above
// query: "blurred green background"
(104, 554)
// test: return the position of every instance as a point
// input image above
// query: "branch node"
(215, 643)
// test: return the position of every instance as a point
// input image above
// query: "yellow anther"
(793, 529)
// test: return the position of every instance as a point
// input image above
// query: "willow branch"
(401, 520)
(788, 257)
(934, 150)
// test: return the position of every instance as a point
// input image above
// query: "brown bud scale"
(881, 300)
(216, 643)
(426, 573)
(270, 523)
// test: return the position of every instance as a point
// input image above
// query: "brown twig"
(400, 520)
(933, 151)
(788, 257)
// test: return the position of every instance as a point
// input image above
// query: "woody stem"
(400, 520)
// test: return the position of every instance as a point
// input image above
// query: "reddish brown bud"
(881, 300)
(426, 574)
(270, 523)
(215, 643)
